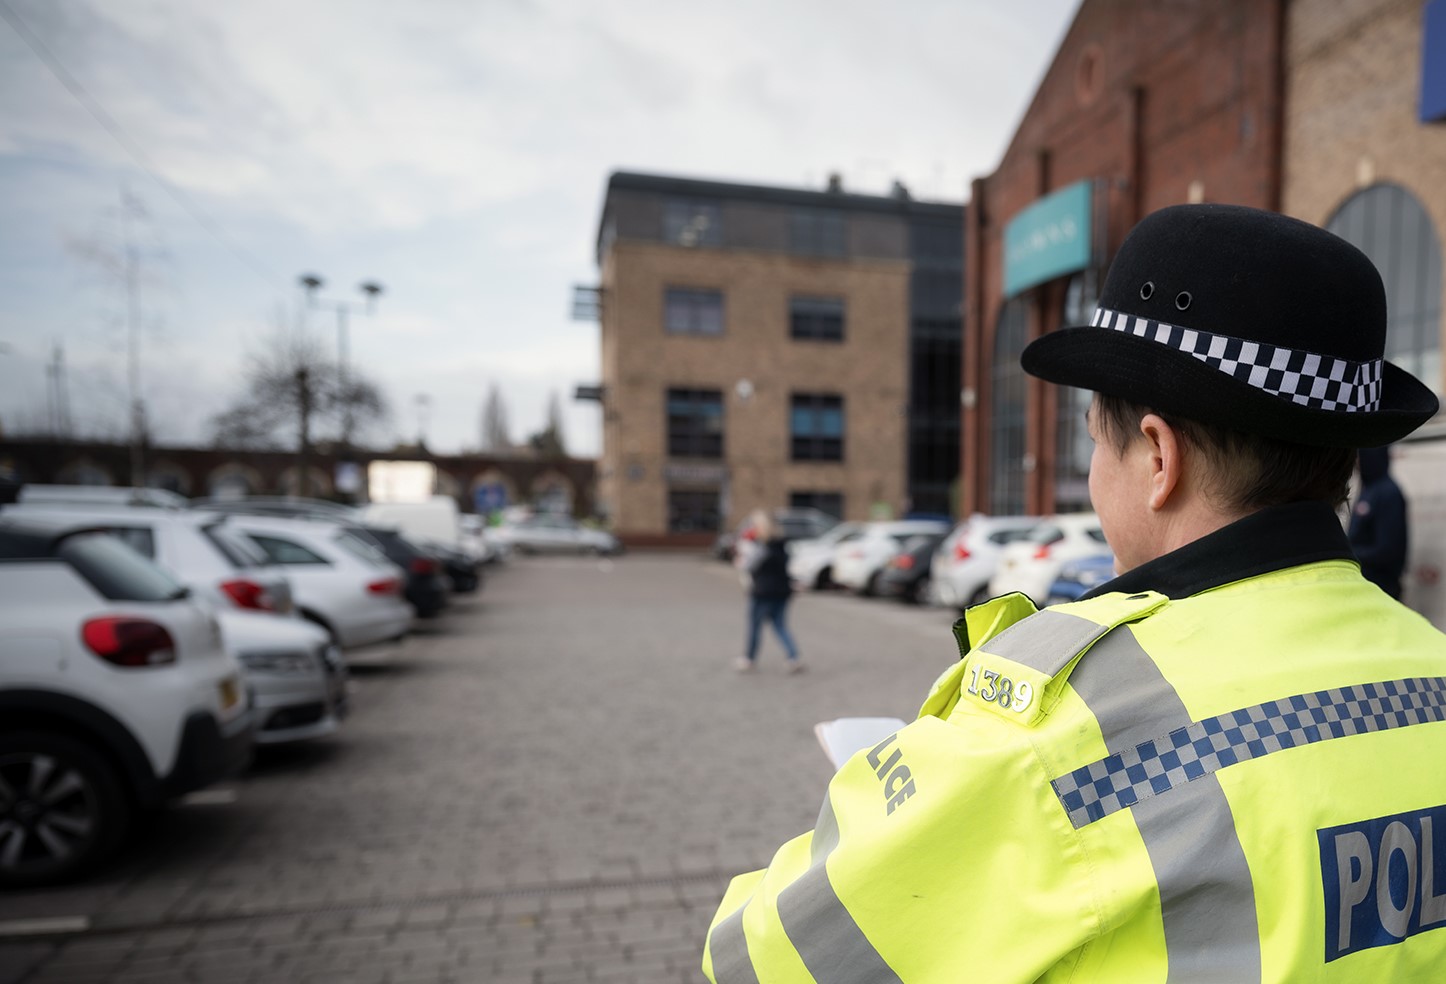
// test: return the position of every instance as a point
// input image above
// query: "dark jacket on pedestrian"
(1378, 523)
(770, 573)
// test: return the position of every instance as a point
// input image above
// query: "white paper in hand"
(842, 737)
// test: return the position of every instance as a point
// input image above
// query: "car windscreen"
(360, 546)
(235, 546)
(116, 570)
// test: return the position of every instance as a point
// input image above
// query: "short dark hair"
(1246, 471)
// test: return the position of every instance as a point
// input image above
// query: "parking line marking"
(44, 927)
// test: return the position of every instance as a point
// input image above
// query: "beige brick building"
(1364, 155)
(761, 347)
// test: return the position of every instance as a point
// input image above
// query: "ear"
(1165, 461)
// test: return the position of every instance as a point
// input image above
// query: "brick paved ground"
(552, 785)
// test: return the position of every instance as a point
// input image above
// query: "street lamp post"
(313, 283)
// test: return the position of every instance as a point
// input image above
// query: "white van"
(437, 519)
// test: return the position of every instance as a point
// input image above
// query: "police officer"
(1226, 764)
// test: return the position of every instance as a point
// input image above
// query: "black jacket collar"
(1270, 540)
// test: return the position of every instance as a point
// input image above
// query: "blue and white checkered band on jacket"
(1317, 381)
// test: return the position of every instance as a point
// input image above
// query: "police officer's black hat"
(1246, 319)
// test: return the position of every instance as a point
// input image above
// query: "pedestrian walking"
(763, 556)
(1378, 530)
(1223, 765)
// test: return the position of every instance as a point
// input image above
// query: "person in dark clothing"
(769, 592)
(1377, 530)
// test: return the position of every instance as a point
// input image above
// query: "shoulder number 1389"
(1000, 689)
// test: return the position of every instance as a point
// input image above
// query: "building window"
(694, 511)
(817, 232)
(816, 318)
(1073, 446)
(691, 311)
(1388, 224)
(1007, 411)
(816, 424)
(825, 502)
(695, 423)
(689, 222)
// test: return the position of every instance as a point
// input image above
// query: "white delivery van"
(436, 519)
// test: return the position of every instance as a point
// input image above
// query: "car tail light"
(423, 565)
(961, 552)
(903, 562)
(388, 585)
(249, 594)
(1043, 552)
(129, 641)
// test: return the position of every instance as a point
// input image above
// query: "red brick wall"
(1184, 93)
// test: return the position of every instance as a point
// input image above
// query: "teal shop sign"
(1050, 238)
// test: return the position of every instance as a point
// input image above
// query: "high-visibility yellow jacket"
(1242, 783)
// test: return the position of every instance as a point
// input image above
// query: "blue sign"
(1384, 880)
(1050, 238)
(1433, 63)
(489, 498)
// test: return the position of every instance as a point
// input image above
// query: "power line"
(130, 146)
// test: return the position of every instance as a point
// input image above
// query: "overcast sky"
(455, 151)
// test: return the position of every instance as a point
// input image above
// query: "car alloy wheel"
(61, 808)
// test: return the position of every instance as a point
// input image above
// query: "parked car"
(480, 540)
(203, 551)
(1031, 565)
(426, 588)
(295, 673)
(458, 567)
(101, 495)
(906, 576)
(792, 524)
(436, 521)
(967, 557)
(116, 694)
(555, 533)
(858, 563)
(339, 580)
(293, 507)
(810, 560)
(1078, 576)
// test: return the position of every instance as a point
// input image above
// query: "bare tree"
(549, 442)
(294, 395)
(496, 434)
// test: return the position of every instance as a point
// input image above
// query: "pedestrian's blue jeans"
(769, 610)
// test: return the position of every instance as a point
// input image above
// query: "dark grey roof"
(665, 184)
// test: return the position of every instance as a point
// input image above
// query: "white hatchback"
(115, 695)
(202, 550)
(967, 558)
(859, 561)
(1031, 565)
(339, 580)
(810, 560)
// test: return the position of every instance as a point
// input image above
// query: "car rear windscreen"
(235, 546)
(116, 570)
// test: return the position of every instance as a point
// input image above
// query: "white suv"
(115, 694)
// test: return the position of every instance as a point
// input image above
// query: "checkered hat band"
(1317, 381)
(1153, 767)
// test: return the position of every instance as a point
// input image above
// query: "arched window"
(1073, 447)
(1006, 497)
(1388, 224)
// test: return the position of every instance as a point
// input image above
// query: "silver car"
(295, 674)
(553, 533)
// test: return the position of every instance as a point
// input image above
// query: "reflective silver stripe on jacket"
(827, 939)
(1046, 641)
(1207, 898)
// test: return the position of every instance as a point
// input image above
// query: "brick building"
(1365, 156)
(767, 347)
(1146, 104)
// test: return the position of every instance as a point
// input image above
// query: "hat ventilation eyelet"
(1148, 290)
(1183, 299)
